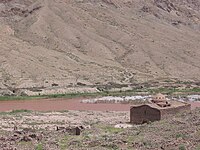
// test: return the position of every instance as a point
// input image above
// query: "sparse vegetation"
(20, 111)
(198, 147)
(180, 135)
(111, 146)
(39, 147)
(169, 91)
(102, 134)
(182, 147)
(112, 130)
(63, 143)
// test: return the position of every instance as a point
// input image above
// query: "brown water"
(65, 104)
(59, 105)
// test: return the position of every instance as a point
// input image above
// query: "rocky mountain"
(45, 43)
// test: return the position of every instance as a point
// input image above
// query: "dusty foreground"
(35, 130)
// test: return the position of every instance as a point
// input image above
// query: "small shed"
(158, 108)
(143, 114)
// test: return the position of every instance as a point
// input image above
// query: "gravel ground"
(24, 130)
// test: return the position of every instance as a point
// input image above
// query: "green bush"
(198, 147)
(39, 147)
(182, 147)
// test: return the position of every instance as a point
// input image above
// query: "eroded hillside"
(65, 42)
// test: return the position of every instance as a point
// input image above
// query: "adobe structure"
(158, 108)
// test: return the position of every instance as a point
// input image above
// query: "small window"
(145, 112)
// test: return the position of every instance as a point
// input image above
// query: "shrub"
(39, 147)
(182, 147)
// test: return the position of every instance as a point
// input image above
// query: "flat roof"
(174, 104)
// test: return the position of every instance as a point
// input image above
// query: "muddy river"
(65, 104)
(59, 105)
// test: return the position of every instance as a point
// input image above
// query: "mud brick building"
(158, 108)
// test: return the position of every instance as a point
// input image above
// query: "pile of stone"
(25, 135)
(74, 130)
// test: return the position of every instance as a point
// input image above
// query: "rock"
(71, 130)
(18, 132)
(33, 136)
(124, 126)
(26, 138)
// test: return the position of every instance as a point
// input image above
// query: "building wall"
(172, 111)
(144, 113)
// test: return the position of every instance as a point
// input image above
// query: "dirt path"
(65, 104)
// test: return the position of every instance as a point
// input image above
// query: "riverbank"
(131, 92)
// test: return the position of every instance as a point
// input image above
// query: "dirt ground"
(53, 123)
(101, 130)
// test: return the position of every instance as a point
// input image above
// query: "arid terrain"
(26, 130)
(48, 44)
(71, 69)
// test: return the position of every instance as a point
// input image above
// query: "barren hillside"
(47, 43)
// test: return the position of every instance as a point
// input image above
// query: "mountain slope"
(97, 41)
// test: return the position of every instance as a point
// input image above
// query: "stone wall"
(172, 111)
(143, 114)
